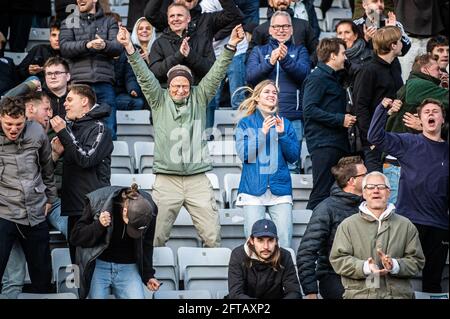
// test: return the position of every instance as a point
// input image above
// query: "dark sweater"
(375, 81)
(423, 188)
(324, 103)
(121, 246)
(260, 280)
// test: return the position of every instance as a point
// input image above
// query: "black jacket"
(9, 76)
(165, 53)
(90, 65)
(319, 235)
(375, 81)
(302, 34)
(260, 280)
(39, 54)
(57, 103)
(87, 158)
(91, 238)
(217, 25)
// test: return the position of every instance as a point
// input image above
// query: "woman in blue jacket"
(265, 142)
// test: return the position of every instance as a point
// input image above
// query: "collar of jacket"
(271, 11)
(423, 76)
(89, 16)
(369, 216)
(381, 61)
(328, 69)
(98, 111)
(349, 198)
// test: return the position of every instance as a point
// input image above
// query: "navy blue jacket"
(265, 158)
(288, 73)
(125, 78)
(324, 103)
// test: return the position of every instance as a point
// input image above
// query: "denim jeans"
(126, 102)
(15, 273)
(298, 127)
(392, 172)
(105, 94)
(236, 80)
(34, 242)
(250, 9)
(56, 220)
(122, 280)
(281, 214)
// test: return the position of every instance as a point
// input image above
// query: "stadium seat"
(306, 158)
(225, 122)
(204, 268)
(301, 189)
(224, 159)
(17, 57)
(427, 295)
(165, 268)
(67, 280)
(144, 181)
(60, 258)
(144, 153)
(293, 255)
(67, 295)
(182, 294)
(231, 228)
(133, 126)
(221, 294)
(231, 184)
(121, 161)
(300, 222)
(183, 233)
(334, 15)
(216, 188)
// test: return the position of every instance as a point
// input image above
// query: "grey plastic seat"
(182, 294)
(67, 295)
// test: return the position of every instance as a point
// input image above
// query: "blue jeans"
(236, 80)
(122, 280)
(392, 172)
(250, 9)
(105, 94)
(298, 127)
(56, 220)
(126, 102)
(15, 272)
(281, 214)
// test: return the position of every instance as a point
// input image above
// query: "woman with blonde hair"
(265, 143)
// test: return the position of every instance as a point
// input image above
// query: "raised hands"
(124, 38)
(392, 19)
(412, 121)
(237, 35)
(270, 121)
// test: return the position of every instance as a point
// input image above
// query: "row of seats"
(226, 192)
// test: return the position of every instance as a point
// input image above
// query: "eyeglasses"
(278, 27)
(56, 73)
(380, 187)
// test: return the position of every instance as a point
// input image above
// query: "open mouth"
(431, 121)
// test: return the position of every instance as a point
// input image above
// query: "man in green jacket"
(181, 154)
(376, 251)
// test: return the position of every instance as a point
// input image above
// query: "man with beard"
(261, 268)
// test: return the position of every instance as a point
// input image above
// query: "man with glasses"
(302, 31)
(424, 189)
(287, 65)
(376, 251)
(312, 256)
(57, 77)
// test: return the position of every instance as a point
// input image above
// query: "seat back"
(182, 294)
(231, 184)
(144, 153)
(301, 190)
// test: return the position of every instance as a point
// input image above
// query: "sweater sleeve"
(362, 99)
(46, 164)
(160, 64)
(391, 143)
(413, 259)
(149, 271)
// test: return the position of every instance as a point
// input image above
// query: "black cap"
(264, 228)
(139, 217)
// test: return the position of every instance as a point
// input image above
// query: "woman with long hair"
(265, 143)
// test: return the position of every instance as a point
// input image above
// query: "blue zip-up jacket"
(288, 73)
(265, 158)
(324, 103)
